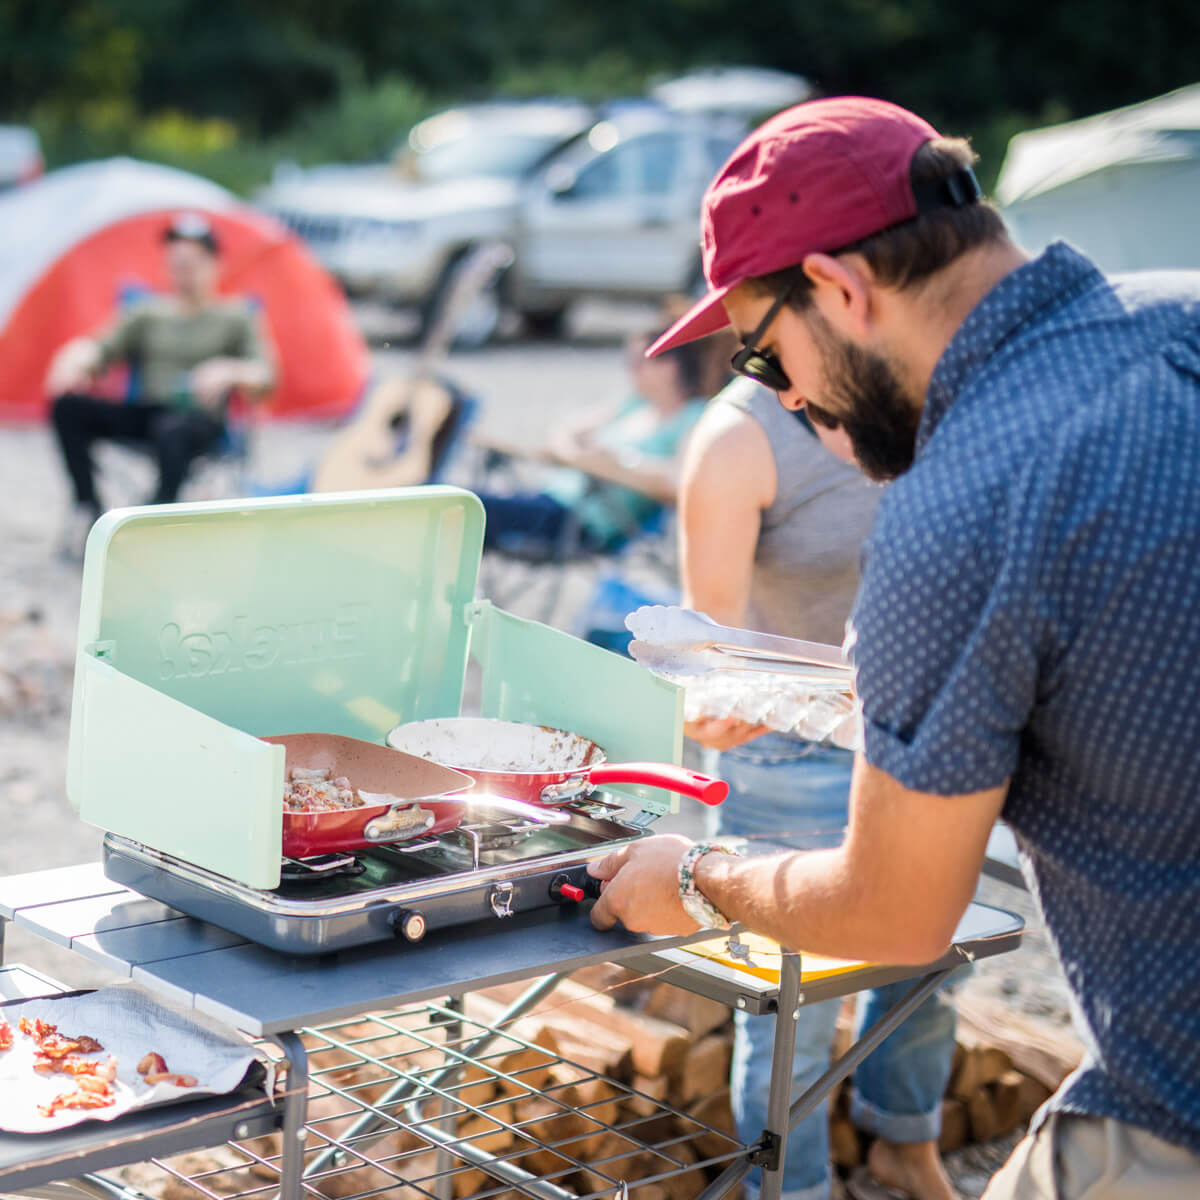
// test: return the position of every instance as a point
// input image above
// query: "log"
(473, 1088)
(528, 1067)
(657, 1046)
(845, 1142)
(697, 1014)
(1044, 1051)
(705, 1069)
(651, 1094)
(489, 1133)
(843, 1035)
(543, 1121)
(714, 1110)
(595, 1048)
(683, 1184)
(592, 1046)
(470, 1181)
(620, 982)
(956, 1126)
(619, 1158)
(981, 1064)
(1031, 1095)
(598, 1099)
(995, 1110)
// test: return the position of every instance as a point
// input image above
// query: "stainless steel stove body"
(391, 892)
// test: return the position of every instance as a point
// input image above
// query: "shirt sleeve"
(944, 647)
(121, 341)
(251, 341)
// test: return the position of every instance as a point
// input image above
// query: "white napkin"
(129, 1022)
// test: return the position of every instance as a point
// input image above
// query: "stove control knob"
(563, 889)
(409, 924)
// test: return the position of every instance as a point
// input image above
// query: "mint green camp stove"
(205, 627)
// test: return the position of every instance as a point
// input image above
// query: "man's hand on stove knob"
(640, 887)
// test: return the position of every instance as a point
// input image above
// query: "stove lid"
(205, 626)
(337, 612)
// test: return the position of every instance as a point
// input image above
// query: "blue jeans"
(792, 792)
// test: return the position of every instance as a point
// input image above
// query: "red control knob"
(562, 889)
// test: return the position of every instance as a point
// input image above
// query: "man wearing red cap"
(1029, 613)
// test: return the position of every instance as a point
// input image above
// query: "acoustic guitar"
(395, 438)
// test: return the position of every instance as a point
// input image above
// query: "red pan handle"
(675, 779)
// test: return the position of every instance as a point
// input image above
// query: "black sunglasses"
(761, 365)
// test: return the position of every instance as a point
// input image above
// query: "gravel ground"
(523, 386)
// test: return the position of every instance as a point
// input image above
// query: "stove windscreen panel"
(530, 672)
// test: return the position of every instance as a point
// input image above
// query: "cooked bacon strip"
(71, 1065)
(86, 1095)
(57, 1045)
(54, 1044)
(37, 1028)
(172, 1078)
(153, 1068)
(152, 1062)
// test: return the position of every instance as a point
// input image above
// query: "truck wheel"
(479, 321)
(546, 322)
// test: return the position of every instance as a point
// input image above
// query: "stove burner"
(320, 867)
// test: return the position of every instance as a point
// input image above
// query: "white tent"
(1123, 186)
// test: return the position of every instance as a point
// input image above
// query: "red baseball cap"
(815, 177)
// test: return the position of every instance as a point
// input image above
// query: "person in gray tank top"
(771, 530)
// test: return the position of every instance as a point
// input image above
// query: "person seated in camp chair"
(187, 352)
(617, 468)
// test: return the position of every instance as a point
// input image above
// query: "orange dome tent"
(73, 241)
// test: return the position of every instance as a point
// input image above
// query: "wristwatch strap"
(695, 903)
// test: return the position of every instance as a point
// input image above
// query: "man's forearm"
(806, 900)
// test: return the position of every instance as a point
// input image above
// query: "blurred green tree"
(91, 72)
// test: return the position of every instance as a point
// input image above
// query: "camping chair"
(557, 581)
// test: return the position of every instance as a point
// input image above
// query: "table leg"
(770, 1152)
(896, 1015)
(295, 1108)
(443, 1159)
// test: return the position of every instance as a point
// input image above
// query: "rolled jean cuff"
(895, 1127)
(818, 1191)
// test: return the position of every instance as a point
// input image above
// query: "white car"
(587, 207)
(20, 155)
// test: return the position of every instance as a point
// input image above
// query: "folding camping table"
(405, 989)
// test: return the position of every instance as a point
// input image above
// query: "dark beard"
(881, 419)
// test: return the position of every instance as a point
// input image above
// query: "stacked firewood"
(669, 1049)
(1005, 1066)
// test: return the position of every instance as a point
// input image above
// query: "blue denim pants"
(784, 790)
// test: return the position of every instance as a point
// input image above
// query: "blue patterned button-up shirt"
(1030, 611)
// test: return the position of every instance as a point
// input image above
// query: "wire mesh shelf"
(427, 1101)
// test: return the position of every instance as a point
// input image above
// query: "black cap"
(192, 227)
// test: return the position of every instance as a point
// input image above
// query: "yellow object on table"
(765, 956)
